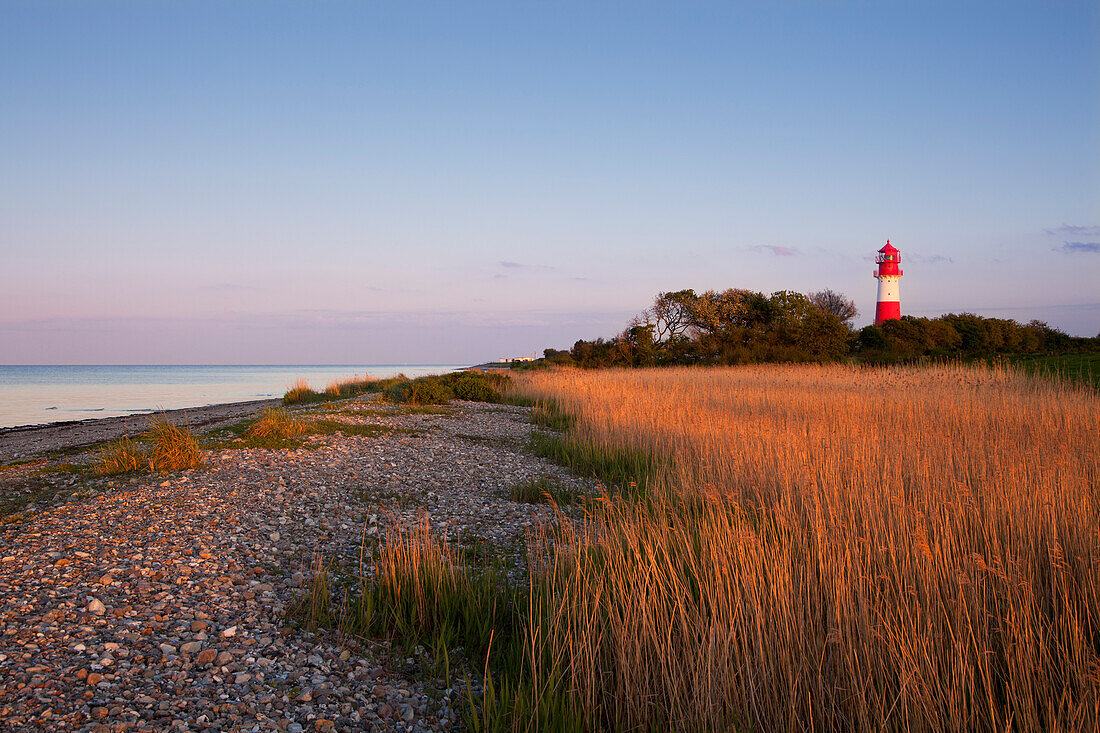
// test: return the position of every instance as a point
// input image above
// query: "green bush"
(476, 389)
(441, 388)
(428, 391)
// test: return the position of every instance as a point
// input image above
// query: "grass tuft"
(546, 490)
(165, 446)
(300, 393)
(277, 424)
(121, 456)
(173, 447)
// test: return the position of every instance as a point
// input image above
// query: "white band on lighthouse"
(889, 288)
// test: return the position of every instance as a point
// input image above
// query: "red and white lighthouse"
(889, 277)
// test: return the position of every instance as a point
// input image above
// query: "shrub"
(475, 388)
(428, 391)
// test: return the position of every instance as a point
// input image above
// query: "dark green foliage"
(428, 392)
(746, 327)
(475, 389)
(962, 335)
(730, 327)
(441, 388)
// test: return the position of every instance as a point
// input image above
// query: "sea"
(38, 395)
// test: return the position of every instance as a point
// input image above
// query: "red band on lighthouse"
(889, 277)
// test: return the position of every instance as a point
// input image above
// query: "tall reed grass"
(825, 547)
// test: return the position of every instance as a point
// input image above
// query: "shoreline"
(27, 441)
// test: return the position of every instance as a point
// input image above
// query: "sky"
(453, 182)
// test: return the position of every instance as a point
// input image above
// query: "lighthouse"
(889, 276)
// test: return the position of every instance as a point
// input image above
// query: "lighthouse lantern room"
(889, 277)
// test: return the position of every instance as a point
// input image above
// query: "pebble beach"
(165, 601)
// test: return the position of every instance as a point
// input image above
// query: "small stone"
(107, 579)
(96, 607)
(206, 656)
(94, 678)
(191, 647)
(229, 633)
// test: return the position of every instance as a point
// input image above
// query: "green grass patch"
(547, 414)
(331, 427)
(395, 411)
(546, 490)
(239, 436)
(621, 470)
(1084, 368)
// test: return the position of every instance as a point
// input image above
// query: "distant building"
(510, 359)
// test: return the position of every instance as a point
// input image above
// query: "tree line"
(744, 327)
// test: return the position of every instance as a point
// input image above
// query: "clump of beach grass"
(277, 424)
(174, 447)
(301, 392)
(164, 446)
(121, 456)
(351, 387)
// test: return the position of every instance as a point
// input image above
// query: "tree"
(838, 304)
(671, 315)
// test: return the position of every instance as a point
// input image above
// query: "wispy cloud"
(776, 250)
(1076, 231)
(929, 259)
(1071, 248)
(509, 265)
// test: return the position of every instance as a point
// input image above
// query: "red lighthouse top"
(888, 259)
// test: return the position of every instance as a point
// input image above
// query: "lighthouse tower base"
(887, 311)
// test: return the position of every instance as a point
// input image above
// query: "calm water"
(31, 395)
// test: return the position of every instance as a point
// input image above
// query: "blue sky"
(277, 182)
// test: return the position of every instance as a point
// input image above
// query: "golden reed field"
(829, 548)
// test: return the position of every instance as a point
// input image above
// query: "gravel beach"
(159, 601)
(33, 440)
